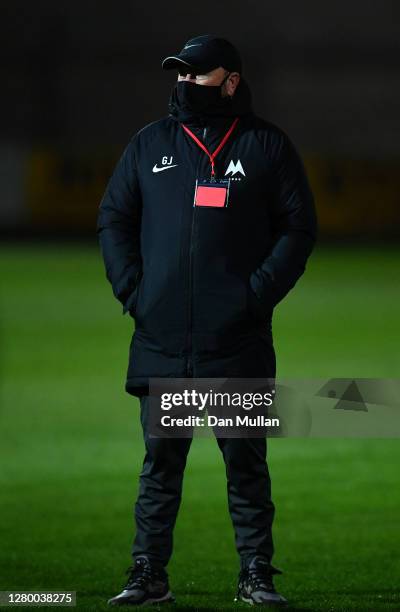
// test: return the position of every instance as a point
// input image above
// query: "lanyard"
(213, 155)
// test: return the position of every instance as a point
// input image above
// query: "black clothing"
(205, 53)
(202, 282)
(249, 493)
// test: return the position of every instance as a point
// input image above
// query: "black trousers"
(157, 505)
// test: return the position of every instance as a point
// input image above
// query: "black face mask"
(204, 104)
(201, 99)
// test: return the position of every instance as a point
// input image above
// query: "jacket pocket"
(255, 306)
(132, 301)
(135, 298)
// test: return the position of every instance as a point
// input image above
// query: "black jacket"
(202, 283)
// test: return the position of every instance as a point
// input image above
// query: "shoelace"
(258, 577)
(140, 574)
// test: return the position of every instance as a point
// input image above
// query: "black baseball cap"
(205, 53)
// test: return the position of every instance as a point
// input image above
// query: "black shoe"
(256, 584)
(147, 584)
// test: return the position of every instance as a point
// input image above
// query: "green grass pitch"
(71, 448)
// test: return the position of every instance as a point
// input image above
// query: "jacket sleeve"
(118, 229)
(294, 224)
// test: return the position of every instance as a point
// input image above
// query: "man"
(200, 262)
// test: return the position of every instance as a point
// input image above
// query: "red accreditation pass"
(212, 194)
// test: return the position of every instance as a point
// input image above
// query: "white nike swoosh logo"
(157, 169)
(188, 46)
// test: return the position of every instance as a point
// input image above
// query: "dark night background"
(82, 77)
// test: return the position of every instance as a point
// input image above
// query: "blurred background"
(78, 80)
